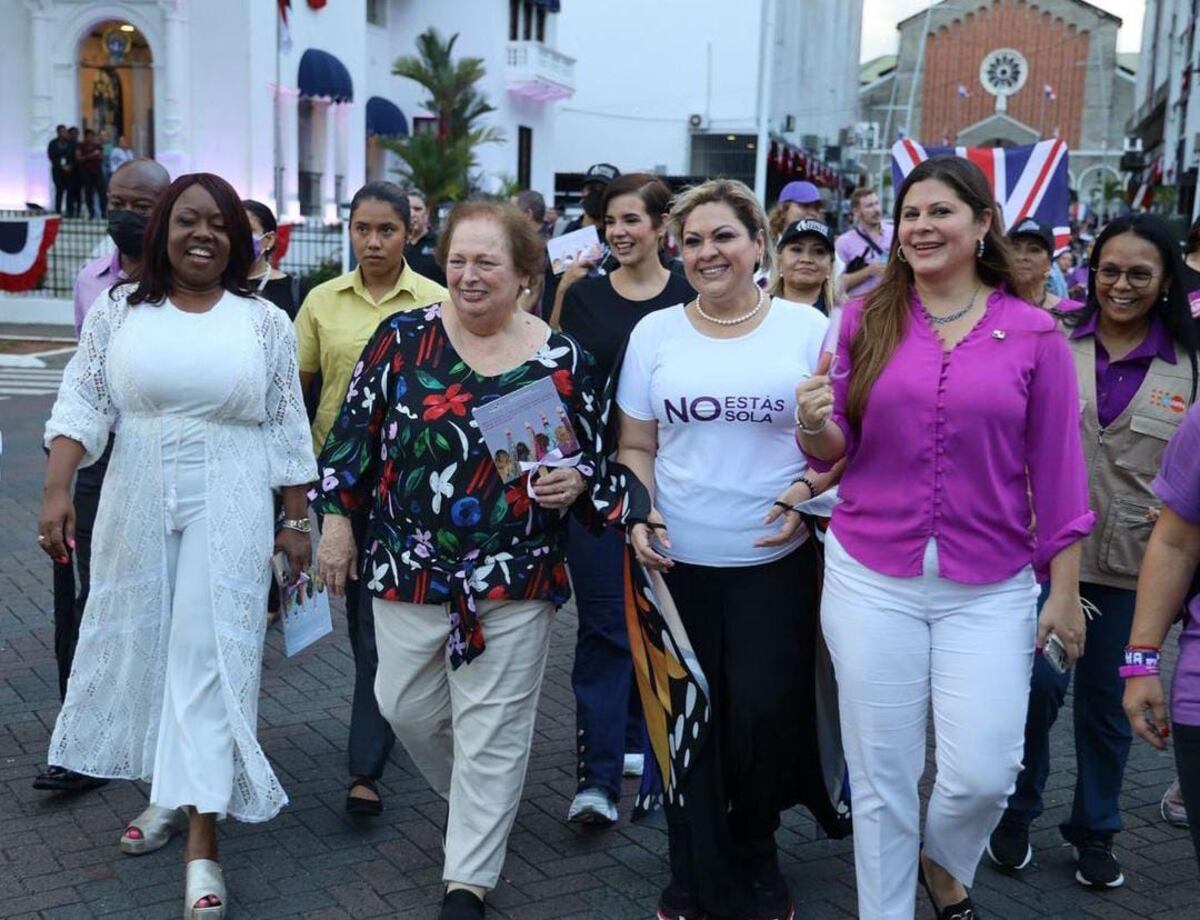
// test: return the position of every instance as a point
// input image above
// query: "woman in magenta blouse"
(954, 403)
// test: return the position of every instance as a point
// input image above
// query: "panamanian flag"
(1029, 181)
(24, 243)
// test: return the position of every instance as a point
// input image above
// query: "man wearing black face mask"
(595, 181)
(133, 191)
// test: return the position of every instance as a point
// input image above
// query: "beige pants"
(468, 730)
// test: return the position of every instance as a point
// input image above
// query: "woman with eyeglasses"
(1135, 347)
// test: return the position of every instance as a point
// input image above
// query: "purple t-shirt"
(1178, 485)
(852, 244)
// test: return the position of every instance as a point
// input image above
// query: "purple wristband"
(1137, 670)
(1139, 662)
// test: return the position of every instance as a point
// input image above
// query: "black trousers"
(753, 631)
(1187, 762)
(62, 185)
(70, 597)
(93, 194)
(371, 737)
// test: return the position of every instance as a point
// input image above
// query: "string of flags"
(794, 163)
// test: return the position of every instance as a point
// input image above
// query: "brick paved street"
(59, 858)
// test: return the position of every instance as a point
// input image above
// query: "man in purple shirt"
(133, 191)
(864, 247)
(1167, 581)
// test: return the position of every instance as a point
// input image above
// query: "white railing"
(539, 72)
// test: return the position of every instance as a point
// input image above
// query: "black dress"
(600, 319)
(284, 293)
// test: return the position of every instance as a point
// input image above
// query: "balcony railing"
(538, 72)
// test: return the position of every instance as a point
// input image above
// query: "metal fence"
(314, 253)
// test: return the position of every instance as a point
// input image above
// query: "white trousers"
(896, 644)
(193, 759)
(468, 730)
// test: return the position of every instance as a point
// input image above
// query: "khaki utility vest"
(1123, 460)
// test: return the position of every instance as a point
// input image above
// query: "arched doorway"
(116, 84)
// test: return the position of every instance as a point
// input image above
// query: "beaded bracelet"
(1140, 661)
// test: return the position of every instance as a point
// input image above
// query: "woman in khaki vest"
(1135, 354)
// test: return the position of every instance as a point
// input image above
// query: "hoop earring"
(979, 249)
(900, 254)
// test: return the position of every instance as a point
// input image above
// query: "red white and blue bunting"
(24, 242)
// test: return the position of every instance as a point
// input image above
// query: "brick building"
(977, 73)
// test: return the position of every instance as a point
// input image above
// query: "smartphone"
(1055, 654)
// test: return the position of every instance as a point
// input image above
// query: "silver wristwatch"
(300, 525)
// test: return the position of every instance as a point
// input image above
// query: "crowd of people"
(80, 169)
(825, 483)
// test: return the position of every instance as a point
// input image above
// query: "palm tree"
(440, 163)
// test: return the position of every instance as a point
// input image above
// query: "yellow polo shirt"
(335, 323)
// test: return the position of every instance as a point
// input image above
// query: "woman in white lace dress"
(199, 378)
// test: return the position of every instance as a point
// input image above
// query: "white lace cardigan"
(257, 440)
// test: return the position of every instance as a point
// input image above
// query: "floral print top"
(443, 526)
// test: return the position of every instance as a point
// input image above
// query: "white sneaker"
(592, 806)
(634, 765)
(1171, 808)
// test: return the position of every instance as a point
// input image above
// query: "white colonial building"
(286, 115)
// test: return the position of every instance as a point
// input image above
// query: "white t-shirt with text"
(726, 431)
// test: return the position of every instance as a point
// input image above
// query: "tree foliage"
(440, 162)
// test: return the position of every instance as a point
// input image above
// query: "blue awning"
(384, 118)
(323, 76)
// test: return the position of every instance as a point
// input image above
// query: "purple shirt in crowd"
(1117, 382)
(93, 280)
(850, 245)
(952, 443)
(1178, 485)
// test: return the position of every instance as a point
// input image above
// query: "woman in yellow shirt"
(335, 323)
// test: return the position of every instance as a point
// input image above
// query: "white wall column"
(328, 160)
(342, 147)
(287, 98)
(39, 186)
(172, 148)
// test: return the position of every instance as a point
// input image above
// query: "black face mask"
(592, 199)
(128, 231)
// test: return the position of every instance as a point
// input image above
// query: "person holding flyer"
(464, 569)
(202, 374)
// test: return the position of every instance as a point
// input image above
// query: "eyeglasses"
(1109, 275)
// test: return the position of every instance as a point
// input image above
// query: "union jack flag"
(1028, 181)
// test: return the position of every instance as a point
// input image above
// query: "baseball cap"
(800, 192)
(1035, 229)
(806, 227)
(601, 173)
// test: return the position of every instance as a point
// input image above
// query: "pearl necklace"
(737, 319)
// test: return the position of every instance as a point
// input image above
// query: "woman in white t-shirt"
(706, 398)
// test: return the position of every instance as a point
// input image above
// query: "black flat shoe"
(60, 779)
(366, 807)
(461, 904)
(963, 910)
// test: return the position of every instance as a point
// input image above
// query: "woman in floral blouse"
(465, 571)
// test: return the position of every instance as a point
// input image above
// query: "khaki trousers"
(468, 730)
